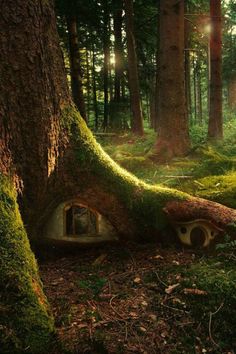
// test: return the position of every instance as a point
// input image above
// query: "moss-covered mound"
(26, 325)
(221, 189)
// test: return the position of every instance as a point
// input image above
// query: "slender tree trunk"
(173, 137)
(187, 67)
(156, 98)
(95, 102)
(118, 49)
(215, 127)
(195, 89)
(106, 54)
(153, 103)
(137, 117)
(75, 66)
(232, 93)
(88, 84)
(199, 93)
(188, 92)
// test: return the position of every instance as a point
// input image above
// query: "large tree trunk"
(215, 127)
(33, 87)
(75, 66)
(173, 136)
(48, 151)
(137, 117)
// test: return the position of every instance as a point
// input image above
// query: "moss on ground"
(25, 321)
(206, 292)
(208, 172)
(221, 189)
(216, 312)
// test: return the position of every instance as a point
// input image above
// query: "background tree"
(173, 136)
(75, 65)
(215, 128)
(137, 118)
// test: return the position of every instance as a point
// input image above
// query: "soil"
(124, 299)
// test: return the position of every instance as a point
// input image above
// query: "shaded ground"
(142, 299)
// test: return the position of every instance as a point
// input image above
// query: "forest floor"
(133, 298)
(142, 299)
(209, 170)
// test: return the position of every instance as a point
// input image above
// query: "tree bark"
(187, 68)
(137, 117)
(173, 137)
(33, 87)
(53, 157)
(88, 84)
(95, 102)
(215, 127)
(75, 66)
(232, 93)
(106, 55)
(118, 47)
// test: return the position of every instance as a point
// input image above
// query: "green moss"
(218, 279)
(25, 321)
(143, 202)
(213, 162)
(221, 189)
(215, 277)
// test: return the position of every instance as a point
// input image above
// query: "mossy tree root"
(136, 209)
(26, 324)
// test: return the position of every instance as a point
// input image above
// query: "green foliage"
(25, 320)
(227, 245)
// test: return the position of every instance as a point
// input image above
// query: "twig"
(210, 322)
(113, 297)
(162, 282)
(173, 308)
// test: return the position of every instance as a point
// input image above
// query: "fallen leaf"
(133, 314)
(142, 329)
(153, 317)
(137, 280)
(190, 291)
(171, 288)
(105, 296)
(158, 257)
(176, 262)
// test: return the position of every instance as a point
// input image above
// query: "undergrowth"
(209, 171)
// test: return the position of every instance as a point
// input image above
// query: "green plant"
(227, 245)
(94, 283)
